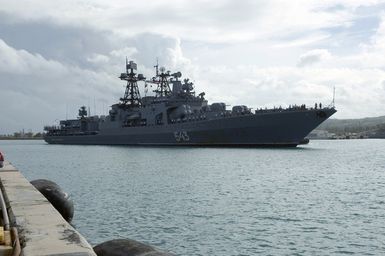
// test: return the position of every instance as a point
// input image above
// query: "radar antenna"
(131, 96)
(82, 112)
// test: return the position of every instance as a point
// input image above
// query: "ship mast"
(131, 96)
(162, 80)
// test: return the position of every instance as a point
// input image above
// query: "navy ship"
(176, 116)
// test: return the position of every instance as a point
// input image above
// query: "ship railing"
(51, 128)
(68, 133)
(293, 108)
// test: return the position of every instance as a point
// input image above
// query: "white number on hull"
(181, 136)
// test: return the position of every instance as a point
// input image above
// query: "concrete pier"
(42, 230)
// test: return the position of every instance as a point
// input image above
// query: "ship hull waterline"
(270, 129)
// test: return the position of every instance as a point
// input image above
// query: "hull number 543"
(181, 136)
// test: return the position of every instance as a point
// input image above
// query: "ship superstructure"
(175, 115)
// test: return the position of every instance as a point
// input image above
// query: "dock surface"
(42, 230)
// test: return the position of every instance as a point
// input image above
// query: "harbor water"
(325, 198)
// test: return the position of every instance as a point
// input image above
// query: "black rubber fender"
(127, 247)
(56, 196)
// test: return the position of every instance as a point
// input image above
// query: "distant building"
(321, 135)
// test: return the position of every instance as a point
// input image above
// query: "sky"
(56, 56)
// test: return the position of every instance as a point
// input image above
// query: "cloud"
(367, 55)
(35, 90)
(209, 21)
(302, 41)
(21, 62)
(313, 56)
(359, 92)
(266, 53)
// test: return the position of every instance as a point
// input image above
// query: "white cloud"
(21, 62)
(33, 86)
(359, 91)
(260, 53)
(313, 56)
(210, 21)
(373, 52)
(303, 41)
(98, 59)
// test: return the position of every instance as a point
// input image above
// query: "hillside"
(369, 126)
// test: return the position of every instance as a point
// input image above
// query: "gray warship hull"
(270, 128)
(176, 116)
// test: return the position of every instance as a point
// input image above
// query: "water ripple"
(327, 198)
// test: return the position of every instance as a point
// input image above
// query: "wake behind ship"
(176, 116)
